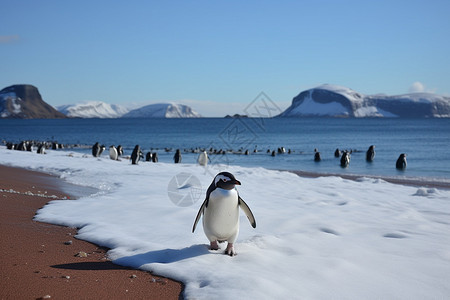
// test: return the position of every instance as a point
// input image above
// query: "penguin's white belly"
(202, 159)
(113, 154)
(221, 217)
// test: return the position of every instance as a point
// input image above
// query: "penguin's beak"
(237, 182)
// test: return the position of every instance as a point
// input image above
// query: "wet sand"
(44, 261)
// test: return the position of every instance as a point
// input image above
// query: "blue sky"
(217, 56)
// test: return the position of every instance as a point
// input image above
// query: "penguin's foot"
(230, 250)
(214, 245)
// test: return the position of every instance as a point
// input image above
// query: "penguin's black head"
(226, 181)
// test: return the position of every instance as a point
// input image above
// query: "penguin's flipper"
(199, 214)
(247, 212)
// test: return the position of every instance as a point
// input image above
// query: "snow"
(163, 110)
(316, 238)
(93, 109)
(372, 111)
(312, 108)
(344, 91)
(98, 109)
(14, 102)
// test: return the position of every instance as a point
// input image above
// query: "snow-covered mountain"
(93, 109)
(337, 101)
(163, 110)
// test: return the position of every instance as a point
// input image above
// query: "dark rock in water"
(236, 116)
(25, 102)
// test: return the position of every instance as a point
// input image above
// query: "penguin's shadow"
(164, 256)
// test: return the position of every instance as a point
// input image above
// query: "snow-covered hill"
(337, 101)
(163, 110)
(93, 109)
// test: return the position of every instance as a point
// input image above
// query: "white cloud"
(417, 87)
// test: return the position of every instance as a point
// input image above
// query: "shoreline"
(41, 260)
(409, 181)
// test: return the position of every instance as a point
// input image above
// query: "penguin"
(273, 153)
(401, 162)
(281, 150)
(119, 150)
(345, 159)
(95, 149)
(136, 155)
(203, 158)
(220, 212)
(102, 148)
(337, 153)
(177, 157)
(155, 157)
(22, 146)
(370, 154)
(148, 156)
(41, 149)
(317, 157)
(113, 153)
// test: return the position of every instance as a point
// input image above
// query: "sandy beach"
(44, 261)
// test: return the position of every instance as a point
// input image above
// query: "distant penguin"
(113, 153)
(148, 156)
(177, 157)
(203, 158)
(401, 162)
(102, 148)
(370, 154)
(273, 153)
(136, 155)
(337, 153)
(155, 157)
(41, 149)
(119, 150)
(220, 212)
(317, 157)
(345, 159)
(281, 150)
(29, 146)
(246, 152)
(95, 149)
(22, 146)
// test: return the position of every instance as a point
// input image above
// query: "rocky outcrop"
(25, 102)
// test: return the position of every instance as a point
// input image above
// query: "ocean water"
(425, 141)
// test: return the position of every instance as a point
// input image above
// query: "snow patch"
(163, 110)
(15, 103)
(93, 109)
(311, 108)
